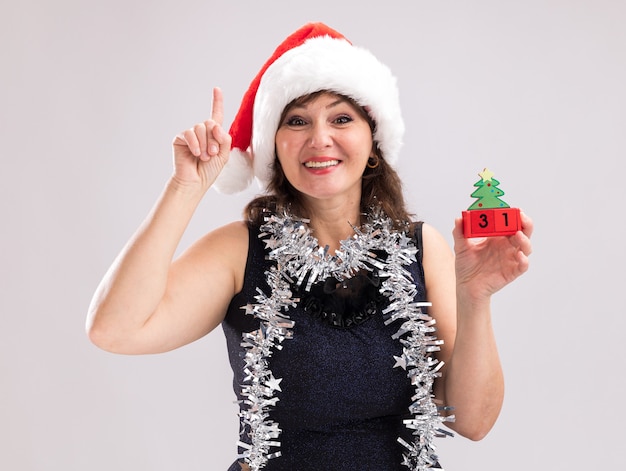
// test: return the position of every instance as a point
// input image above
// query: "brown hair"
(381, 186)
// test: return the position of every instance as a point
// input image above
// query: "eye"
(343, 119)
(295, 121)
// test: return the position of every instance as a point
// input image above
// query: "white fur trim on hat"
(236, 175)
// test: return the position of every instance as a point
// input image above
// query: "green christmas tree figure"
(487, 192)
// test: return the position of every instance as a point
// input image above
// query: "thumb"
(457, 232)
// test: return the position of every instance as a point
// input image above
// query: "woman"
(351, 330)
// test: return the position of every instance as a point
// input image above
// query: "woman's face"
(323, 146)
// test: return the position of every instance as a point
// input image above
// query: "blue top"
(342, 401)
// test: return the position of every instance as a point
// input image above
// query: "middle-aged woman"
(351, 329)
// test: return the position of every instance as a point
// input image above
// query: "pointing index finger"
(217, 110)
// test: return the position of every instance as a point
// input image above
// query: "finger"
(211, 145)
(189, 139)
(179, 140)
(457, 232)
(201, 132)
(522, 262)
(222, 137)
(524, 244)
(527, 224)
(217, 110)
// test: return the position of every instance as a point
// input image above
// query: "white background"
(91, 96)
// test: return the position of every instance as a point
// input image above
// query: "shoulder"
(234, 235)
(220, 253)
(437, 257)
(226, 240)
(433, 240)
(227, 244)
(234, 228)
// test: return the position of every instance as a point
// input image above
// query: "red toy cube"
(491, 222)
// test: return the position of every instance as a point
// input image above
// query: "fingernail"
(213, 149)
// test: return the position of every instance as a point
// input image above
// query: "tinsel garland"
(299, 259)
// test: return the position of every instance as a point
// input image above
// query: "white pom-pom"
(237, 174)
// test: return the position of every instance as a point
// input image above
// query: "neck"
(332, 223)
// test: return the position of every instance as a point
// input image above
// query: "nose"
(321, 136)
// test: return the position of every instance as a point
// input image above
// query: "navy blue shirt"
(342, 401)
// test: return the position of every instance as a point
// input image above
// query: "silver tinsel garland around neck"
(298, 258)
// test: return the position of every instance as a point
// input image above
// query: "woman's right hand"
(201, 152)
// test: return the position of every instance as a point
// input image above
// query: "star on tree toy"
(489, 216)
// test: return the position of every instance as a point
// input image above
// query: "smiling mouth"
(325, 164)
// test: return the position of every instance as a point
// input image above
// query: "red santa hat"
(313, 58)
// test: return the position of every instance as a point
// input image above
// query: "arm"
(146, 303)
(472, 380)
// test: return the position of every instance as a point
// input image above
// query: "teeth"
(327, 163)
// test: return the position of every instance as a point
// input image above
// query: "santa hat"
(313, 58)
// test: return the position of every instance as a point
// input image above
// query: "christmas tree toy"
(489, 216)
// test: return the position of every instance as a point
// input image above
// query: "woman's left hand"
(486, 265)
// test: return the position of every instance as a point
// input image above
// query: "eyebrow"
(337, 102)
